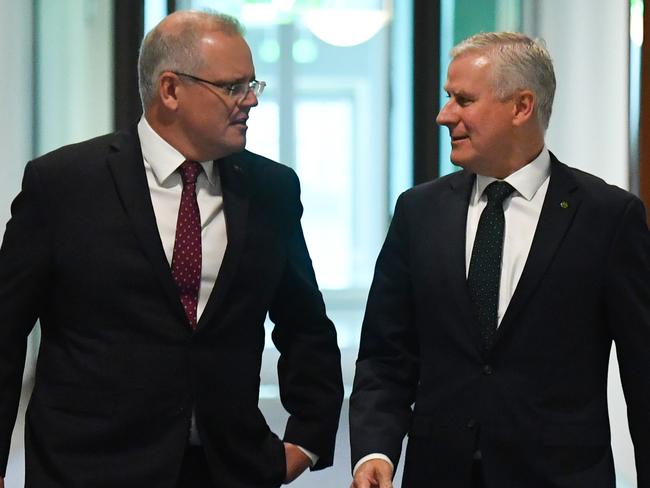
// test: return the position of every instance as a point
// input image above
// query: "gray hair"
(165, 49)
(519, 63)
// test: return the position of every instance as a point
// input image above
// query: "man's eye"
(462, 101)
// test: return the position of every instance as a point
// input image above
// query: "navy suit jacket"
(535, 405)
(119, 372)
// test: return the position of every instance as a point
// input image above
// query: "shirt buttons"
(487, 370)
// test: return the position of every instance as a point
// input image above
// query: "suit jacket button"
(487, 370)
(471, 423)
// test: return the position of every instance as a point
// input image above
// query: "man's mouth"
(240, 121)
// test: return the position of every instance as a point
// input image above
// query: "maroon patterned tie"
(186, 261)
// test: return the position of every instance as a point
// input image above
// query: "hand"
(374, 473)
(297, 462)
(2, 483)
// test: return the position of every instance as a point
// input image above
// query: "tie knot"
(498, 191)
(189, 172)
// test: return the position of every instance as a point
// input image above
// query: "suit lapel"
(126, 165)
(560, 206)
(454, 231)
(236, 198)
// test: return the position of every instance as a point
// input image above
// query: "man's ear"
(167, 90)
(524, 107)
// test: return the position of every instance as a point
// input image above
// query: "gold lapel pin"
(564, 204)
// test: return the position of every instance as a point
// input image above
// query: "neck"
(166, 127)
(518, 159)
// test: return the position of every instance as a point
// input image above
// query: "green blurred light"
(270, 51)
(305, 51)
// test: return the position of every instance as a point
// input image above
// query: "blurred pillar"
(644, 118)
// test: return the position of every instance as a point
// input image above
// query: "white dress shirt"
(521, 211)
(161, 162)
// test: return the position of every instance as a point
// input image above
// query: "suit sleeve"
(628, 305)
(387, 367)
(23, 263)
(309, 368)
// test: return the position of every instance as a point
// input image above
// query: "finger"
(360, 483)
(363, 484)
(365, 481)
(386, 483)
(383, 478)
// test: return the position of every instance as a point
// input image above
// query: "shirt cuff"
(313, 458)
(374, 455)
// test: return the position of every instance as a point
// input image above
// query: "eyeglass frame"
(256, 86)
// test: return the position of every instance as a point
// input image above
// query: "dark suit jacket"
(119, 372)
(536, 404)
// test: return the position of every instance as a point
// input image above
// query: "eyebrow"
(458, 93)
(232, 81)
(247, 77)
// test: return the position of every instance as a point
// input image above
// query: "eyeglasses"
(239, 91)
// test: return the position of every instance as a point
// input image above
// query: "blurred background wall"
(353, 90)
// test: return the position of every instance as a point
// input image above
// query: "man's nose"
(250, 100)
(445, 116)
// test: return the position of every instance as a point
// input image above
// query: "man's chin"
(468, 160)
(459, 162)
(236, 146)
(225, 150)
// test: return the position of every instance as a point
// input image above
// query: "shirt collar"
(163, 158)
(526, 180)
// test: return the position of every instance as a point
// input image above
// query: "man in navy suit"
(152, 257)
(496, 298)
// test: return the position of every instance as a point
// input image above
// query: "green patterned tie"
(485, 266)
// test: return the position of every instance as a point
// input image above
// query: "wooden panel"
(426, 81)
(644, 125)
(128, 24)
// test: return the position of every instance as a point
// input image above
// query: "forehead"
(469, 71)
(226, 56)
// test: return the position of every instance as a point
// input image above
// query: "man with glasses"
(496, 298)
(152, 258)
